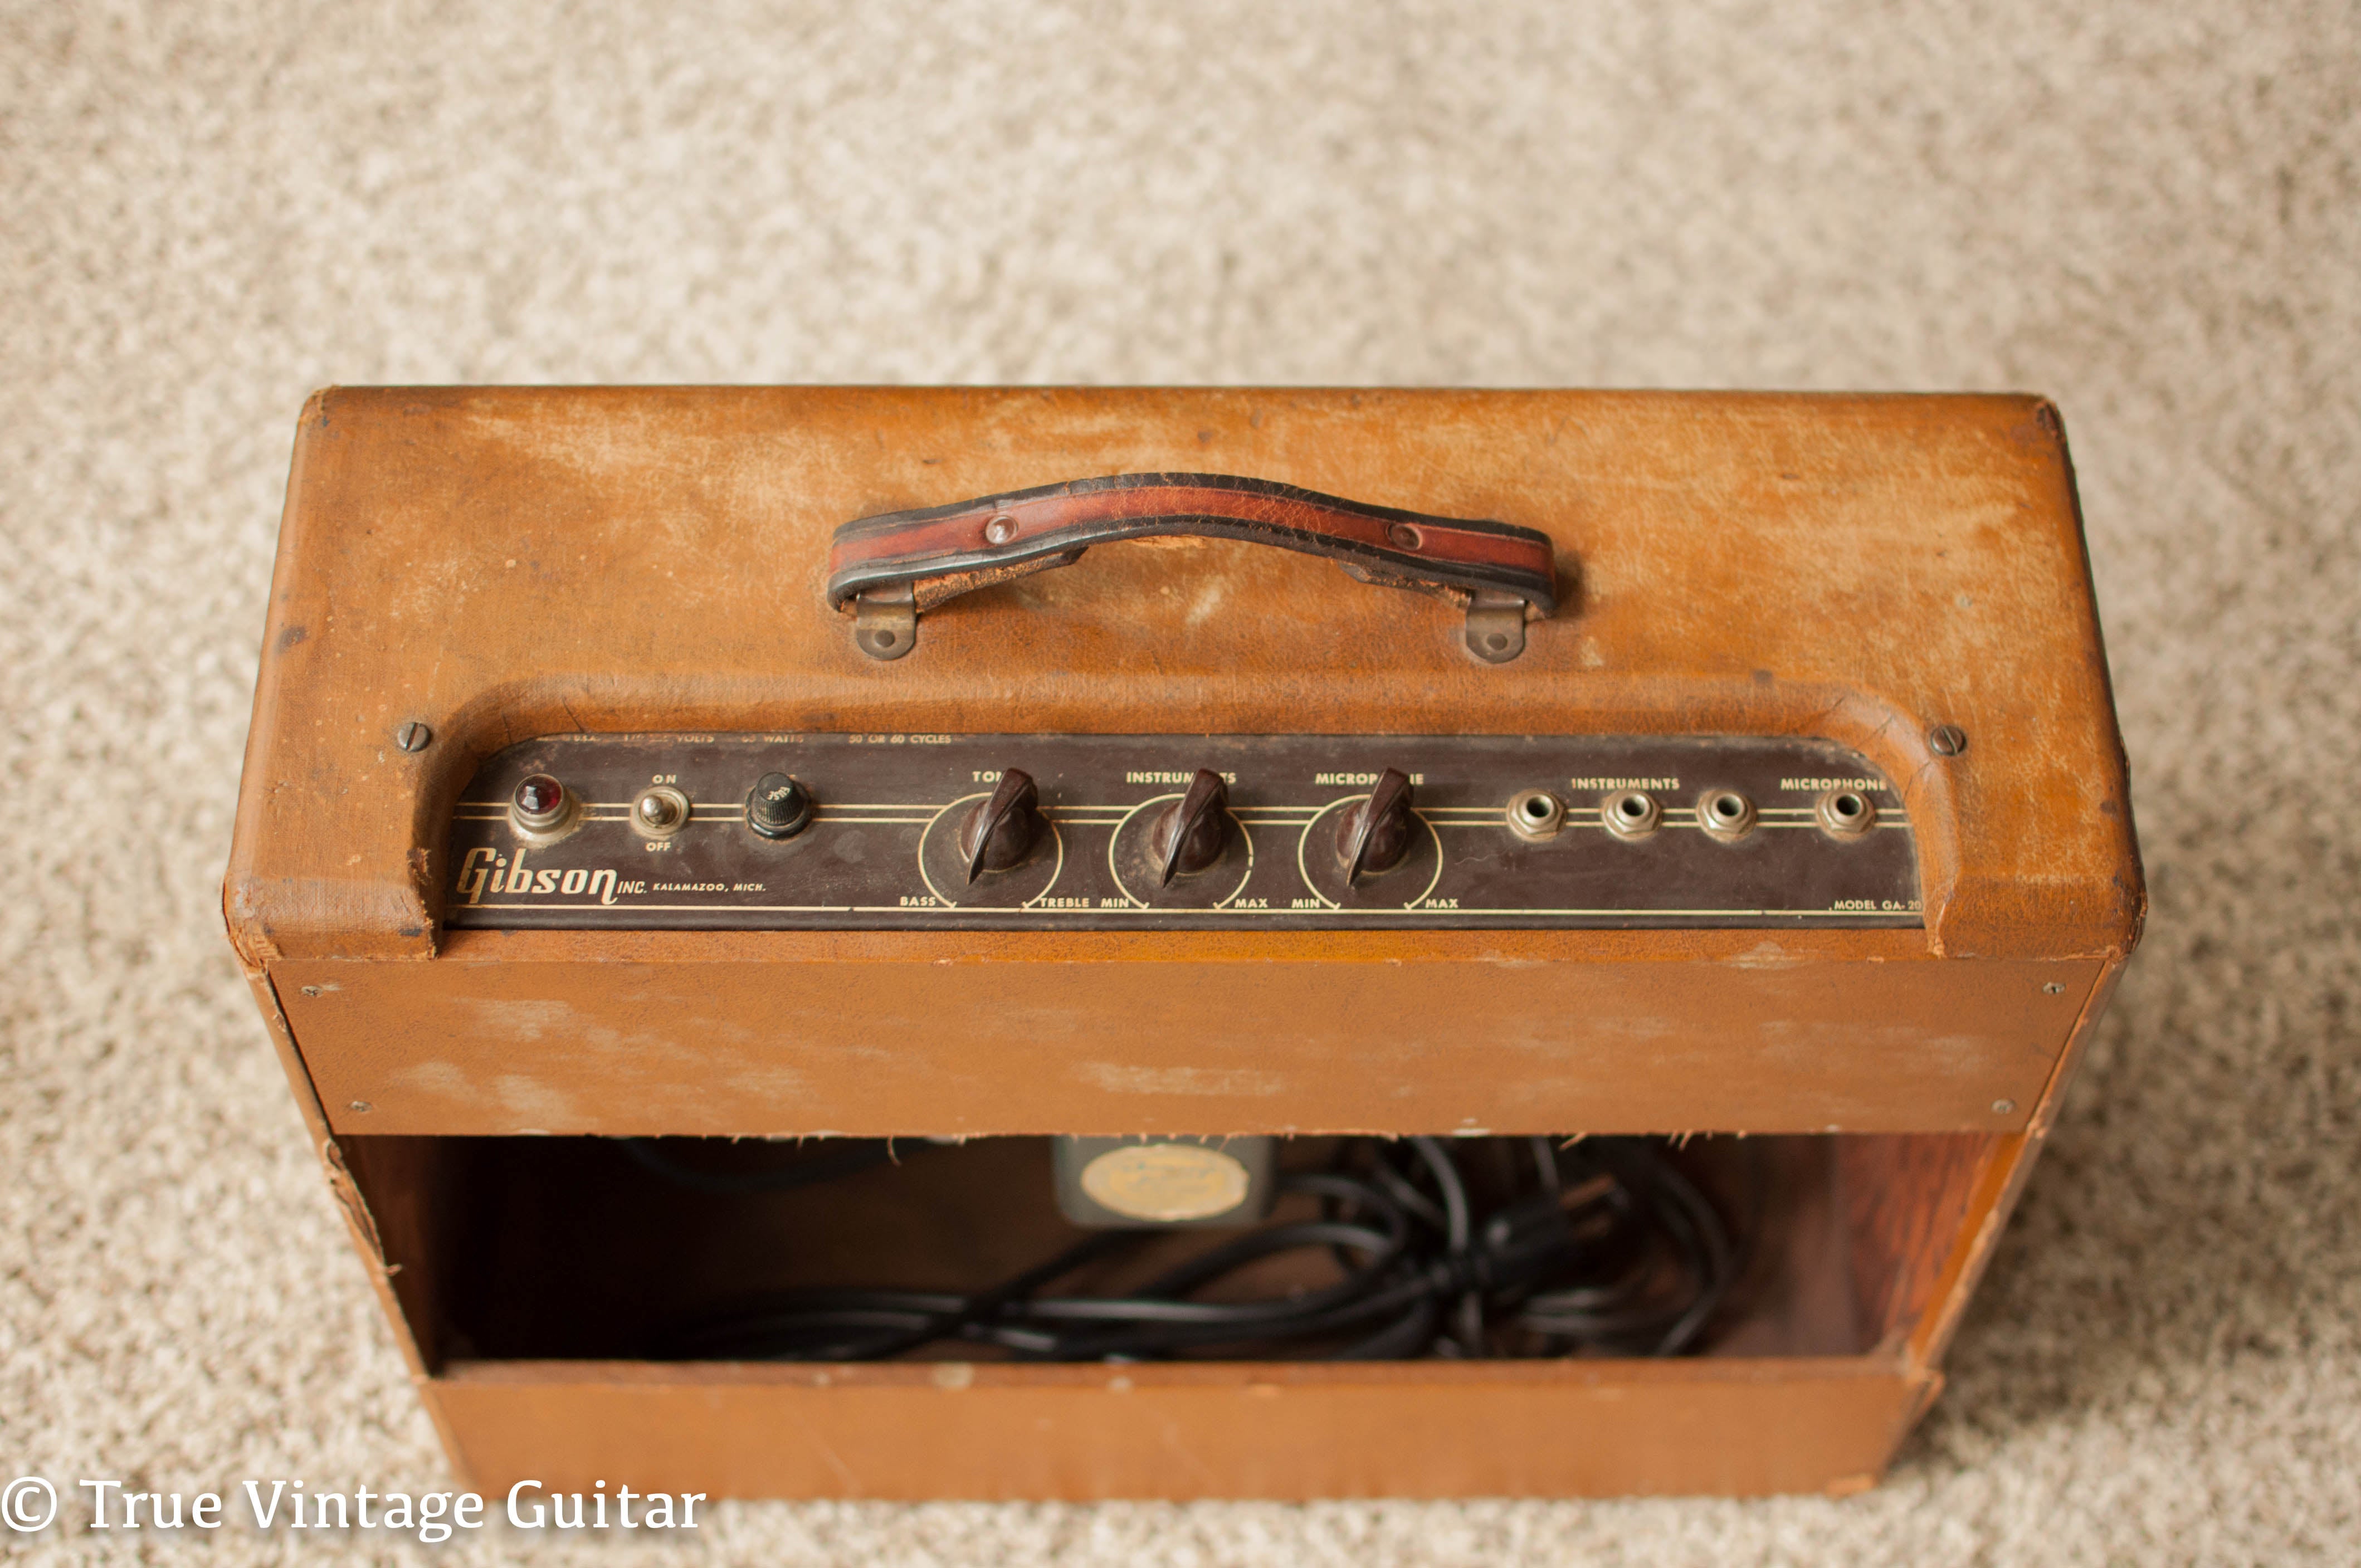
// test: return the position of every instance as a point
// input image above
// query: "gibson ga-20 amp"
(1029, 943)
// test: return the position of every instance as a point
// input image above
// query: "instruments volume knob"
(1190, 835)
(999, 831)
(1374, 834)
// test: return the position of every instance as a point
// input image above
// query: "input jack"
(1847, 814)
(1631, 814)
(1726, 815)
(1535, 815)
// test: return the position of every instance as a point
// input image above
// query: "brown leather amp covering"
(506, 563)
(499, 565)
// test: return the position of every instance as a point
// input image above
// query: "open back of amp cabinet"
(797, 997)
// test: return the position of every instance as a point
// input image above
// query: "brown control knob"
(1190, 835)
(1374, 834)
(997, 832)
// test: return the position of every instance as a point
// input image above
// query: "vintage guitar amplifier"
(798, 997)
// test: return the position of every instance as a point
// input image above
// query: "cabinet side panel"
(953, 1048)
(1615, 1428)
(1905, 1199)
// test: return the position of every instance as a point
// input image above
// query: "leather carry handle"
(886, 569)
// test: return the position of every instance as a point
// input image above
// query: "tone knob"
(1374, 834)
(778, 807)
(1189, 834)
(998, 831)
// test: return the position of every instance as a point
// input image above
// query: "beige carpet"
(2151, 212)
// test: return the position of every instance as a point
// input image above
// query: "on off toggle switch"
(660, 812)
(778, 807)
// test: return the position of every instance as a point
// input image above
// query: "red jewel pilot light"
(539, 803)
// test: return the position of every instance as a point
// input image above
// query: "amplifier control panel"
(1176, 832)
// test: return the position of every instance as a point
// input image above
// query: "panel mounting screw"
(1000, 529)
(2003, 1107)
(414, 737)
(2054, 988)
(362, 1106)
(1947, 739)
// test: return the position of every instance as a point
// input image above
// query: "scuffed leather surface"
(505, 563)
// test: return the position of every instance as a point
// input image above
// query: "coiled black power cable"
(1608, 1247)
